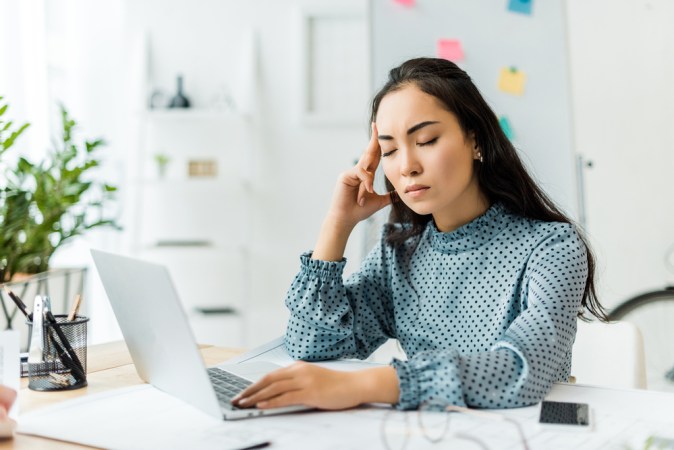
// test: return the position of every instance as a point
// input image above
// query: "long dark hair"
(502, 176)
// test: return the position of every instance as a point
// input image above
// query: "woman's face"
(427, 157)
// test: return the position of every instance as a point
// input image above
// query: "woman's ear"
(477, 153)
(473, 141)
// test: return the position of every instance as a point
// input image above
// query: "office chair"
(609, 355)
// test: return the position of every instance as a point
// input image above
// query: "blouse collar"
(472, 235)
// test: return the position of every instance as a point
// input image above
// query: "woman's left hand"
(302, 384)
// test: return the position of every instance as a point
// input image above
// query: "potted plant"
(43, 205)
(162, 161)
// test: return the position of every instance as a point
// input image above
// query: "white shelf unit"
(198, 226)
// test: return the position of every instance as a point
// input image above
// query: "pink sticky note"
(450, 49)
(406, 2)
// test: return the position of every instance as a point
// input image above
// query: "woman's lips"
(416, 190)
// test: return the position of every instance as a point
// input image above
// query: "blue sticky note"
(520, 6)
(505, 126)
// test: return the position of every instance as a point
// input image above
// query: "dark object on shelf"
(183, 243)
(215, 310)
(179, 100)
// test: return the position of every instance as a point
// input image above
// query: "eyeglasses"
(433, 424)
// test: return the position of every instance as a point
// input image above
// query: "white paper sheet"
(138, 417)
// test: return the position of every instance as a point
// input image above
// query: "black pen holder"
(64, 364)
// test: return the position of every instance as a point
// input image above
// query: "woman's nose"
(409, 165)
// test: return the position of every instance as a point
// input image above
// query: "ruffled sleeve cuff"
(430, 376)
(409, 385)
(325, 270)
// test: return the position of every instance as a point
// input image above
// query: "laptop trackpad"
(252, 371)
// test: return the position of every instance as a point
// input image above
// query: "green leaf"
(12, 137)
(24, 165)
(91, 146)
(91, 163)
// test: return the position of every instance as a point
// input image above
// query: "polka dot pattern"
(486, 314)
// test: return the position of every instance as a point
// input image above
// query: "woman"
(478, 275)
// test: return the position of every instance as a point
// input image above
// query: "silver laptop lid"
(156, 329)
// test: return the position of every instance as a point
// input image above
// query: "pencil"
(76, 307)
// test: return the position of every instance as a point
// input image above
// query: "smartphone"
(564, 414)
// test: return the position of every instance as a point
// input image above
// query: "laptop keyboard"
(227, 385)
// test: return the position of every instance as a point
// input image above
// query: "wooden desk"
(621, 414)
(109, 366)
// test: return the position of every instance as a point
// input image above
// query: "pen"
(74, 366)
(64, 341)
(19, 303)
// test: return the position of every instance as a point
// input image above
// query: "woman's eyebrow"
(417, 127)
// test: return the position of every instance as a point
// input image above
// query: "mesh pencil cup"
(64, 355)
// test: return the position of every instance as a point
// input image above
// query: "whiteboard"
(492, 38)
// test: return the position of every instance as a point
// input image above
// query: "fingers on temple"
(362, 190)
(366, 177)
(370, 158)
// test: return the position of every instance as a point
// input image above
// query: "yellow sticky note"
(512, 81)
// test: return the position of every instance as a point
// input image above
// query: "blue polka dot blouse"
(486, 314)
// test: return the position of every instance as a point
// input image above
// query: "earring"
(479, 156)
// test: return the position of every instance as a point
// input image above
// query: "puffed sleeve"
(330, 318)
(520, 368)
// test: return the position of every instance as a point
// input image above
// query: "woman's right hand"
(354, 198)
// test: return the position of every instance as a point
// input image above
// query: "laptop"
(162, 344)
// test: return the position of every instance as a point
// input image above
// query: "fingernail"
(243, 401)
(361, 202)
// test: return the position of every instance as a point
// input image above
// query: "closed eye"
(384, 155)
(431, 142)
